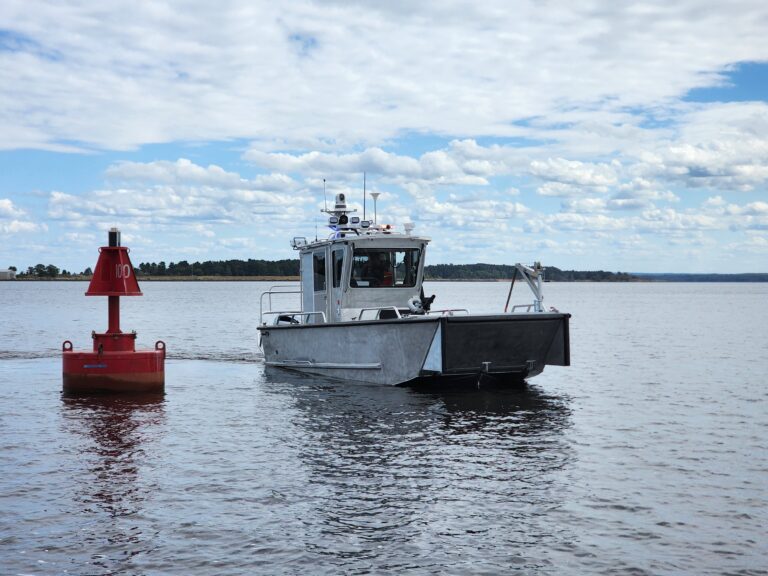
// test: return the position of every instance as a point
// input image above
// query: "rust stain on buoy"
(114, 365)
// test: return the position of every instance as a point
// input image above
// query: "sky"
(586, 135)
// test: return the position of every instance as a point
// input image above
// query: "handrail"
(526, 306)
(293, 314)
(273, 290)
(379, 308)
(449, 311)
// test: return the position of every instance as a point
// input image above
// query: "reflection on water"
(114, 434)
(424, 475)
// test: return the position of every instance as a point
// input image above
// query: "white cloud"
(8, 210)
(585, 205)
(575, 173)
(560, 190)
(749, 216)
(349, 72)
(81, 238)
(19, 226)
(668, 219)
(183, 171)
(431, 168)
(13, 220)
(718, 146)
(181, 191)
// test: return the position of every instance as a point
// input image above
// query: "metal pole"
(114, 314)
(510, 290)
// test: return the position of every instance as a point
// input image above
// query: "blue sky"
(620, 137)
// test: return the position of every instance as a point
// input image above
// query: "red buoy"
(114, 365)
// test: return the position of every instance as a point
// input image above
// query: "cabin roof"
(378, 240)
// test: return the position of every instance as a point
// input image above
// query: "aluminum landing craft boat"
(364, 316)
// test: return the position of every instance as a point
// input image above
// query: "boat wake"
(241, 357)
(26, 355)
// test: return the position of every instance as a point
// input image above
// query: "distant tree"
(12, 268)
(87, 272)
(51, 271)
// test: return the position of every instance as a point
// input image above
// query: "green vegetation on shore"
(289, 270)
(502, 271)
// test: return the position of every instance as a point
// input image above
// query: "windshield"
(385, 267)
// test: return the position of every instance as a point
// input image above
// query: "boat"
(364, 317)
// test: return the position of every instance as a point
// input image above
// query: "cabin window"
(318, 268)
(385, 267)
(338, 264)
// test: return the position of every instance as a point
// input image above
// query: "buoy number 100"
(122, 270)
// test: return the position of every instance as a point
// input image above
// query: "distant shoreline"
(637, 278)
(288, 271)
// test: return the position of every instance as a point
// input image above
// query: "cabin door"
(307, 283)
(320, 283)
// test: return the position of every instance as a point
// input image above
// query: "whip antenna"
(363, 195)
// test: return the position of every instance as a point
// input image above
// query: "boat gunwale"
(425, 318)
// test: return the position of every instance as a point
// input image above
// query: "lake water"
(649, 455)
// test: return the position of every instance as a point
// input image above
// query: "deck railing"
(276, 290)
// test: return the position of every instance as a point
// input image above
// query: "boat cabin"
(362, 271)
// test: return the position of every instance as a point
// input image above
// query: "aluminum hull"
(416, 349)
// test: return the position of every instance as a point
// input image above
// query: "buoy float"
(114, 365)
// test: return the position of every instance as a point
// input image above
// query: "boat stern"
(508, 346)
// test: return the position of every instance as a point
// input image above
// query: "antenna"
(375, 196)
(325, 196)
(363, 195)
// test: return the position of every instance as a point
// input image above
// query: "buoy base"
(142, 371)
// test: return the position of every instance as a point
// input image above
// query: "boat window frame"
(337, 266)
(377, 278)
(319, 276)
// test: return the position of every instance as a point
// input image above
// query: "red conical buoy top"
(114, 272)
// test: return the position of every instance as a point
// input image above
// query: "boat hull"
(431, 349)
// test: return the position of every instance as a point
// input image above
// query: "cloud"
(183, 171)
(670, 220)
(575, 173)
(718, 146)
(8, 210)
(20, 226)
(349, 73)
(472, 213)
(181, 191)
(754, 243)
(13, 220)
(434, 167)
(749, 216)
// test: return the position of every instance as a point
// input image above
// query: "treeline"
(497, 272)
(49, 271)
(248, 267)
(285, 268)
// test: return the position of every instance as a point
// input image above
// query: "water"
(647, 456)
